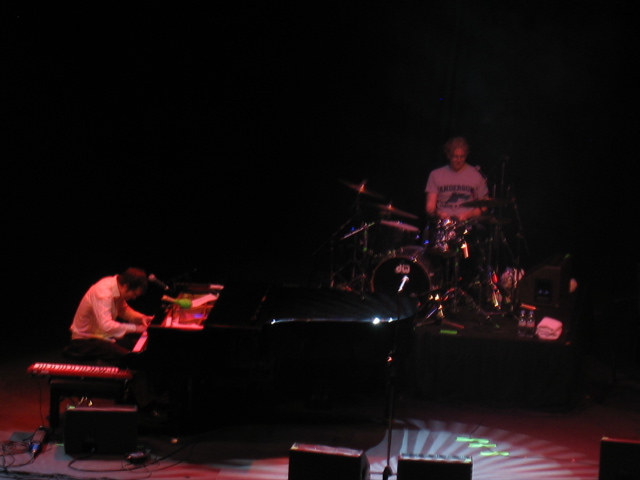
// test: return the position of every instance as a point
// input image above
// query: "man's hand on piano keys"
(144, 320)
(141, 328)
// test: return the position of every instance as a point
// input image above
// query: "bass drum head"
(408, 268)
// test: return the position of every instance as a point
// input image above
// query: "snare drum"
(409, 270)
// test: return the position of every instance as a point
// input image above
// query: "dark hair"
(453, 143)
(134, 278)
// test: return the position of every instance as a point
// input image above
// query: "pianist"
(105, 326)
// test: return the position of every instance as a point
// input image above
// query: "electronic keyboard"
(72, 370)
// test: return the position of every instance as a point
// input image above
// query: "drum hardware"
(446, 306)
(387, 236)
(452, 247)
(364, 227)
(360, 260)
(506, 190)
(488, 294)
(486, 285)
(436, 315)
(521, 242)
(447, 237)
(352, 274)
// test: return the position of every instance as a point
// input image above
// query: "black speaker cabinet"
(436, 467)
(321, 462)
(101, 430)
(547, 284)
(619, 459)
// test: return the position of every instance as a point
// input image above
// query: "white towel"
(549, 329)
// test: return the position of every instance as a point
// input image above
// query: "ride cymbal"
(391, 210)
(486, 202)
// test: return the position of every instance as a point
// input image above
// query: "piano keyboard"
(71, 370)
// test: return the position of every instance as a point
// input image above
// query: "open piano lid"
(255, 304)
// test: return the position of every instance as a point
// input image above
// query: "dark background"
(212, 142)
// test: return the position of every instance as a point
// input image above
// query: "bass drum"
(409, 268)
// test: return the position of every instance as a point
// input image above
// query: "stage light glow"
(496, 454)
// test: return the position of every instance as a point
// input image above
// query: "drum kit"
(447, 265)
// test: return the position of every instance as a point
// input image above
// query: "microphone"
(153, 279)
(405, 279)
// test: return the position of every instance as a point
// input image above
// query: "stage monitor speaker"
(619, 459)
(320, 462)
(101, 430)
(422, 467)
(547, 284)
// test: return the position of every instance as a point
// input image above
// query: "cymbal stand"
(358, 262)
(360, 257)
(333, 272)
(520, 240)
(506, 192)
(488, 292)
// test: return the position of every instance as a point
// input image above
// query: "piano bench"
(114, 389)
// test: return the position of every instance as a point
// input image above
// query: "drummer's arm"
(474, 212)
(431, 205)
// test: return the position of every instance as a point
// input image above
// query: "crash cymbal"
(362, 189)
(398, 225)
(391, 210)
(486, 202)
(491, 220)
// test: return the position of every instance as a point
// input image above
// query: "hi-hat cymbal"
(362, 189)
(486, 202)
(391, 210)
(491, 220)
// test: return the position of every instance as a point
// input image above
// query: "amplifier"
(419, 467)
(320, 462)
(101, 430)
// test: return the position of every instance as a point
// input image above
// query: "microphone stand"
(391, 379)
(387, 472)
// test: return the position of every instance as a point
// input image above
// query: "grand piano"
(256, 346)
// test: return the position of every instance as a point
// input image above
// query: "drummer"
(455, 184)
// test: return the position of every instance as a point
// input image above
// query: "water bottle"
(531, 324)
(522, 323)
